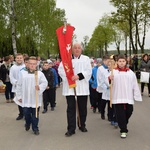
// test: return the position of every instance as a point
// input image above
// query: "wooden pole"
(77, 108)
(111, 84)
(36, 92)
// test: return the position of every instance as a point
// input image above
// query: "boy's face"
(19, 59)
(26, 63)
(121, 63)
(32, 64)
(46, 66)
(106, 61)
(110, 65)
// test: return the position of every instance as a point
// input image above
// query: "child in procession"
(124, 91)
(26, 94)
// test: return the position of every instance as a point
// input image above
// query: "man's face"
(32, 64)
(121, 63)
(19, 59)
(46, 66)
(77, 50)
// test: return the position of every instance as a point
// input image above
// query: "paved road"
(100, 136)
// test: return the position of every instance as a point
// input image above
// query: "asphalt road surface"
(53, 125)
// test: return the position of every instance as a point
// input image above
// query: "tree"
(102, 36)
(137, 14)
(32, 22)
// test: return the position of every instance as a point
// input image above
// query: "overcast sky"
(84, 15)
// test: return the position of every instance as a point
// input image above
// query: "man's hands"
(76, 77)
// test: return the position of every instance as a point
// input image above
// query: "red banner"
(65, 46)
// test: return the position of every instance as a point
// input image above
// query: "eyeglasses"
(33, 63)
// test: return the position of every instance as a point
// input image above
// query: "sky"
(84, 15)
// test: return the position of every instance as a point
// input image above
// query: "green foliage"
(101, 37)
(135, 15)
(36, 22)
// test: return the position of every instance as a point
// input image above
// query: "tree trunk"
(106, 52)
(126, 44)
(141, 44)
(13, 28)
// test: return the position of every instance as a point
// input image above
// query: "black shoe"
(27, 128)
(102, 117)
(36, 132)
(68, 134)
(83, 129)
(19, 118)
(94, 110)
(52, 108)
(44, 111)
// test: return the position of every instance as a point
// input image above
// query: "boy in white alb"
(26, 93)
(14, 76)
(125, 90)
(101, 72)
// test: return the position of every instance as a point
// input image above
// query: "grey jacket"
(144, 66)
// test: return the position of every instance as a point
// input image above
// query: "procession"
(32, 90)
(63, 93)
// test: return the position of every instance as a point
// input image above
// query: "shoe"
(52, 108)
(44, 111)
(36, 132)
(91, 107)
(94, 110)
(112, 123)
(102, 117)
(7, 100)
(142, 94)
(27, 128)
(116, 124)
(149, 95)
(83, 129)
(68, 134)
(109, 119)
(123, 135)
(12, 101)
(19, 118)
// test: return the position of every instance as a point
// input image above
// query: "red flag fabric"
(65, 46)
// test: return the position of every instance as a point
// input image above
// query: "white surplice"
(80, 65)
(26, 88)
(125, 87)
(14, 75)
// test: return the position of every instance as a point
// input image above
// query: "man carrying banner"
(82, 73)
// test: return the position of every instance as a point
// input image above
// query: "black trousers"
(21, 114)
(109, 109)
(123, 113)
(97, 99)
(148, 85)
(8, 93)
(49, 97)
(71, 111)
(91, 96)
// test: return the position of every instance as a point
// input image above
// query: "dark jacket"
(50, 77)
(3, 72)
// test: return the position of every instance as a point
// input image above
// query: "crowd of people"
(109, 82)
